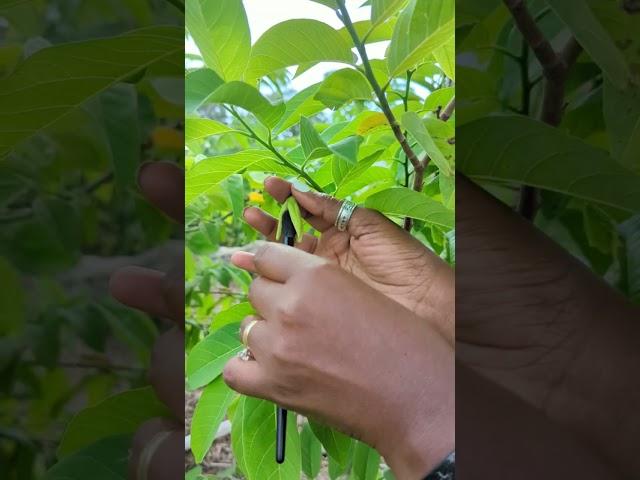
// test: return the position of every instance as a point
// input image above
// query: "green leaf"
(296, 42)
(120, 116)
(253, 438)
(414, 124)
(343, 86)
(198, 86)
(336, 444)
(313, 145)
(517, 149)
(367, 32)
(404, 202)
(593, 38)
(239, 94)
(347, 149)
(79, 75)
(630, 233)
(366, 462)
(208, 173)
(207, 359)
(439, 99)
(446, 58)
(119, 414)
(199, 128)
(423, 28)
(106, 459)
(233, 314)
(311, 452)
(622, 116)
(291, 205)
(302, 104)
(208, 414)
(328, 3)
(12, 300)
(381, 10)
(355, 172)
(220, 29)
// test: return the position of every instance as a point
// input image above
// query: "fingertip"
(278, 188)
(244, 260)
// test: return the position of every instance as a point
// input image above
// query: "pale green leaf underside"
(198, 86)
(295, 42)
(517, 149)
(381, 10)
(343, 86)
(335, 443)
(199, 128)
(58, 79)
(414, 124)
(313, 145)
(208, 414)
(366, 462)
(253, 438)
(221, 31)
(207, 359)
(404, 202)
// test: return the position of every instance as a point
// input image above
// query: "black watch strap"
(446, 470)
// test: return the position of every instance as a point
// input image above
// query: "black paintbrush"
(288, 238)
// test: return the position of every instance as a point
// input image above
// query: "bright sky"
(263, 14)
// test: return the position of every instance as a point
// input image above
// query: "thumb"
(323, 211)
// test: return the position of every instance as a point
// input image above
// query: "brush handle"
(281, 433)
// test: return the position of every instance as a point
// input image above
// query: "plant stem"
(555, 69)
(445, 115)
(269, 146)
(384, 103)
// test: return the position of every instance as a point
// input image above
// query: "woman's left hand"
(329, 346)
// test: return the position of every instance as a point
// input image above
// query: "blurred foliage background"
(88, 92)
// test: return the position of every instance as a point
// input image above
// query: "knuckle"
(261, 253)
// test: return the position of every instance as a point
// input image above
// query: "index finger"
(276, 261)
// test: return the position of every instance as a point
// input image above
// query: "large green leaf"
(353, 173)
(233, 314)
(343, 86)
(622, 116)
(368, 33)
(199, 84)
(313, 145)
(106, 459)
(253, 437)
(404, 202)
(517, 149)
(366, 462)
(327, 3)
(221, 31)
(207, 173)
(311, 452)
(422, 28)
(381, 10)
(199, 128)
(592, 36)
(207, 416)
(240, 94)
(414, 124)
(12, 300)
(337, 444)
(122, 413)
(76, 72)
(301, 104)
(207, 359)
(296, 42)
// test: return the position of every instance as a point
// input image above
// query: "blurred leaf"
(220, 29)
(337, 444)
(122, 413)
(295, 42)
(233, 314)
(366, 462)
(253, 438)
(207, 359)
(522, 150)
(79, 76)
(404, 202)
(199, 84)
(12, 300)
(311, 452)
(622, 116)
(208, 415)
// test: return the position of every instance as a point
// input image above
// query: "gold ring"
(246, 331)
(148, 452)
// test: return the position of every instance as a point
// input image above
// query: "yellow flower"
(168, 139)
(256, 197)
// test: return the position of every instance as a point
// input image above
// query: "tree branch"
(445, 115)
(555, 67)
(382, 99)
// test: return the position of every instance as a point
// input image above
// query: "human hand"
(160, 295)
(331, 347)
(373, 249)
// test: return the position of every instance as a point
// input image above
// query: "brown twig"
(555, 67)
(445, 114)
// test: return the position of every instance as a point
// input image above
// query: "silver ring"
(245, 354)
(344, 215)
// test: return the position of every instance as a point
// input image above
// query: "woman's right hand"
(373, 249)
